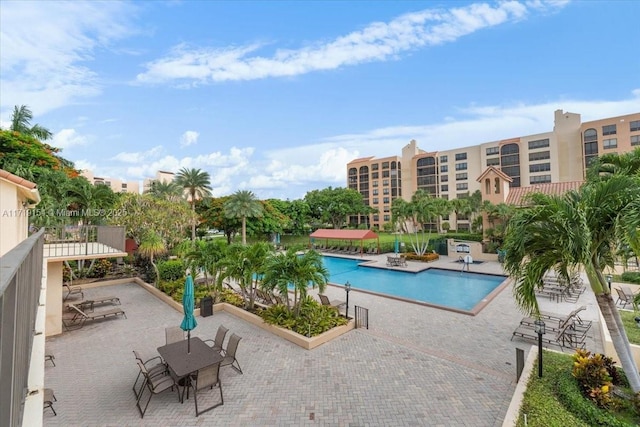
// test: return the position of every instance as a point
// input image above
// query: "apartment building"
(560, 155)
(161, 176)
(117, 185)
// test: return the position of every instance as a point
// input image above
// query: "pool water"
(449, 288)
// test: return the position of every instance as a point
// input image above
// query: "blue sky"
(276, 97)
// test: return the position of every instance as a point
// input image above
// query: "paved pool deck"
(414, 366)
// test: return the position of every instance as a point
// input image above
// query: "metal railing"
(20, 286)
(69, 241)
(362, 317)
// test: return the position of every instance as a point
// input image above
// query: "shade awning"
(330, 233)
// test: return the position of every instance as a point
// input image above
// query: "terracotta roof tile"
(517, 195)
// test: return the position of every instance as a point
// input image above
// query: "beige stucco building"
(560, 155)
(17, 197)
(117, 185)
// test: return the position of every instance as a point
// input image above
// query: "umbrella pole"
(188, 342)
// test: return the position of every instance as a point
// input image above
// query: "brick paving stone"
(416, 365)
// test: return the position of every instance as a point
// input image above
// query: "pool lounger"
(91, 303)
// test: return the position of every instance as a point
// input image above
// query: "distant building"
(558, 156)
(162, 176)
(117, 185)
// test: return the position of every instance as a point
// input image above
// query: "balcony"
(83, 242)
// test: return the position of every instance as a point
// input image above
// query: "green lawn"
(633, 331)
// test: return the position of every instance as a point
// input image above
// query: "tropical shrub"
(592, 373)
(100, 268)
(230, 297)
(313, 319)
(171, 270)
(424, 258)
(631, 277)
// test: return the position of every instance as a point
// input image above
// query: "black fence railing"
(362, 317)
(20, 285)
(84, 240)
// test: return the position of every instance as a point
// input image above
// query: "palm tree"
(21, 122)
(243, 204)
(165, 190)
(205, 256)
(583, 228)
(198, 185)
(151, 246)
(300, 271)
(246, 265)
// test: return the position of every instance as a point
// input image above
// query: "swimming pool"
(446, 288)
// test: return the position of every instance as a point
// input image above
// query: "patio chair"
(330, 303)
(216, 344)
(208, 377)
(624, 298)
(72, 290)
(50, 358)
(155, 384)
(155, 366)
(91, 303)
(49, 398)
(80, 317)
(173, 334)
(230, 353)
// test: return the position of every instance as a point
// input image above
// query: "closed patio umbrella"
(189, 321)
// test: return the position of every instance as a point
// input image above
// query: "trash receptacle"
(206, 307)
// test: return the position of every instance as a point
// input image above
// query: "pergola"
(334, 234)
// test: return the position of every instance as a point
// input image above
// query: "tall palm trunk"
(244, 230)
(193, 224)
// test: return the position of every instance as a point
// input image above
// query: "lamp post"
(347, 288)
(539, 327)
(609, 278)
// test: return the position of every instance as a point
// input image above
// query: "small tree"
(151, 246)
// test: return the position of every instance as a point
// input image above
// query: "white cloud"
(138, 157)
(85, 164)
(190, 137)
(379, 41)
(68, 138)
(44, 65)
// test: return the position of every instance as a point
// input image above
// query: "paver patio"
(416, 365)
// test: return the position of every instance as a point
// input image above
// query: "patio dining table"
(183, 363)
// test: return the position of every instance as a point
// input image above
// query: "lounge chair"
(330, 303)
(91, 303)
(80, 317)
(49, 398)
(155, 384)
(72, 290)
(173, 334)
(155, 366)
(50, 358)
(230, 353)
(555, 322)
(208, 377)
(566, 337)
(216, 344)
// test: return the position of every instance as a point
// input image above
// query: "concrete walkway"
(415, 366)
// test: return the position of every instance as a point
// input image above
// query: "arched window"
(487, 186)
(590, 139)
(497, 185)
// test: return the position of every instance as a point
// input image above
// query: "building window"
(608, 144)
(487, 186)
(385, 191)
(385, 174)
(635, 140)
(461, 156)
(444, 178)
(540, 155)
(540, 179)
(375, 192)
(374, 167)
(461, 166)
(511, 159)
(462, 196)
(385, 182)
(538, 143)
(374, 175)
(387, 218)
(493, 162)
(461, 176)
(609, 130)
(385, 165)
(493, 150)
(497, 180)
(444, 168)
(540, 167)
(444, 159)
(634, 125)
(375, 183)
(444, 188)
(375, 200)
(509, 149)
(385, 200)
(590, 135)
(462, 186)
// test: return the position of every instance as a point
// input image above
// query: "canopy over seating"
(335, 234)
